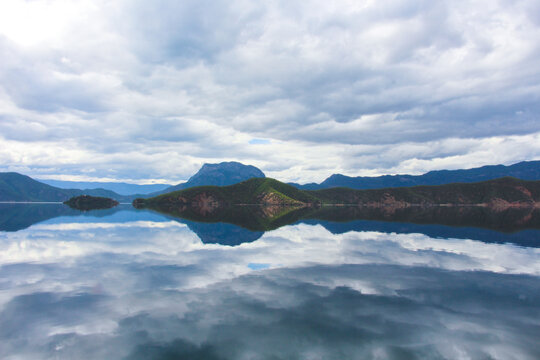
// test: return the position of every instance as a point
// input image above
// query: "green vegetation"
(252, 191)
(258, 191)
(251, 217)
(505, 204)
(266, 218)
(87, 202)
(505, 189)
(17, 187)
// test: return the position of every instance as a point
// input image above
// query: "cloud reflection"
(152, 289)
(417, 313)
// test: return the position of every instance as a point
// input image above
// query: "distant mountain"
(120, 188)
(18, 187)
(222, 174)
(526, 170)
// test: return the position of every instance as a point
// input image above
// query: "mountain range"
(18, 187)
(120, 188)
(525, 170)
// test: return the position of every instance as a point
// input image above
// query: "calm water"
(136, 284)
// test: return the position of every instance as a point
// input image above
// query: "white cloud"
(142, 90)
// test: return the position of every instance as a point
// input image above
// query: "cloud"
(174, 85)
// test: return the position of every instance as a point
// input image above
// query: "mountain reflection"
(137, 284)
(265, 218)
(235, 225)
(516, 225)
(222, 233)
(19, 216)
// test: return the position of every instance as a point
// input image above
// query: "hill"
(18, 187)
(253, 191)
(500, 193)
(222, 174)
(526, 170)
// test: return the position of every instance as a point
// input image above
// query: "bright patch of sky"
(259, 141)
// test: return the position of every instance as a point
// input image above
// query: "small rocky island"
(87, 202)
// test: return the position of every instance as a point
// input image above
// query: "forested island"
(87, 202)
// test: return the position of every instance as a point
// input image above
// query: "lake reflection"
(126, 284)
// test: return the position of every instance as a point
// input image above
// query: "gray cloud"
(198, 80)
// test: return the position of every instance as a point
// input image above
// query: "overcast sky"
(151, 90)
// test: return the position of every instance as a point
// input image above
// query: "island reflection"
(234, 225)
(213, 224)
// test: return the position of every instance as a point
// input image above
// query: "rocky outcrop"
(273, 198)
(387, 201)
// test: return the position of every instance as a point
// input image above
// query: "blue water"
(135, 284)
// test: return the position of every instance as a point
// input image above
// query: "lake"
(268, 284)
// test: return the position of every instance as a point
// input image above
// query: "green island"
(87, 202)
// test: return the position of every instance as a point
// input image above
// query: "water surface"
(131, 284)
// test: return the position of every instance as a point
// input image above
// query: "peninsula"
(498, 194)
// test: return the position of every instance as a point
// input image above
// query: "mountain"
(252, 191)
(222, 174)
(120, 188)
(526, 170)
(17, 187)
(500, 193)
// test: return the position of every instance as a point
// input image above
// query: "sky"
(148, 91)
